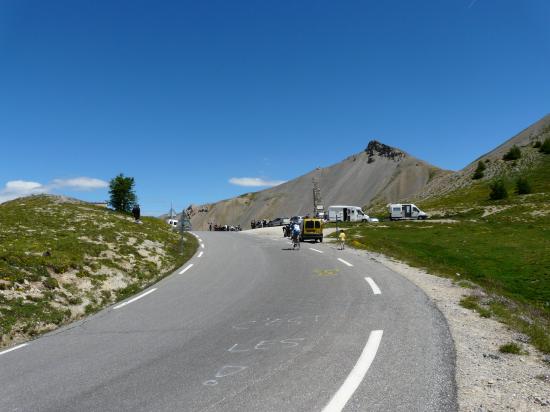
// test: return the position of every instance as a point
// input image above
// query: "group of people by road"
(223, 228)
(256, 224)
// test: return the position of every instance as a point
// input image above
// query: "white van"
(348, 214)
(400, 211)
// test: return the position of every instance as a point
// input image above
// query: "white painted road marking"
(14, 348)
(200, 254)
(375, 289)
(356, 375)
(134, 299)
(186, 269)
(315, 250)
(344, 262)
(202, 245)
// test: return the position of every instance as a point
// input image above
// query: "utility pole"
(318, 208)
(172, 211)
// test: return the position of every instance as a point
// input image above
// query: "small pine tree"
(545, 147)
(123, 197)
(478, 174)
(498, 190)
(513, 154)
(523, 187)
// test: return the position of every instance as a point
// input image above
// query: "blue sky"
(191, 97)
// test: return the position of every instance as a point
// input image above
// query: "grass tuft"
(511, 347)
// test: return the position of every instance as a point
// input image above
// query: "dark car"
(280, 221)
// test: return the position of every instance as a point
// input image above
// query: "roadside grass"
(506, 252)
(512, 348)
(62, 259)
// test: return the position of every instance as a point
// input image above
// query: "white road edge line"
(315, 250)
(344, 262)
(14, 348)
(200, 254)
(356, 375)
(202, 245)
(134, 299)
(181, 272)
(375, 289)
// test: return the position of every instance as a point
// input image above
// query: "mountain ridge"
(379, 171)
(377, 175)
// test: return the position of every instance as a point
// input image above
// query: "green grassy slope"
(502, 246)
(61, 259)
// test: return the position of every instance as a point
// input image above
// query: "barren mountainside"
(379, 172)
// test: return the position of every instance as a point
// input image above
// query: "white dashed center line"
(14, 348)
(375, 289)
(134, 299)
(356, 375)
(345, 262)
(186, 269)
(315, 250)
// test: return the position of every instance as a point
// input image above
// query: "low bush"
(511, 347)
(498, 190)
(523, 187)
(51, 283)
(478, 174)
(545, 147)
(513, 154)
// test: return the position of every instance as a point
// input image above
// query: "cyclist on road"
(296, 233)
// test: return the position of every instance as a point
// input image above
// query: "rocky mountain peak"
(376, 148)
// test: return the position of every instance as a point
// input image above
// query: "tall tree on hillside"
(123, 197)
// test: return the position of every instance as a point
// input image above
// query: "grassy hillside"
(502, 246)
(61, 259)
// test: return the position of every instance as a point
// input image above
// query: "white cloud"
(254, 181)
(18, 188)
(80, 183)
(22, 186)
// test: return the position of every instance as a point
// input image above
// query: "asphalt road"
(251, 326)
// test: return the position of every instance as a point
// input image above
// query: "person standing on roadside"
(342, 239)
(136, 211)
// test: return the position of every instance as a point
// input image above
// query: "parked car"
(296, 219)
(280, 221)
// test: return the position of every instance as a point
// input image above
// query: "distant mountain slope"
(379, 172)
(495, 166)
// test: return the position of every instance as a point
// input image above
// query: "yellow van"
(312, 229)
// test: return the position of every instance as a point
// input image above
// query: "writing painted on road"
(223, 372)
(266, 345)
(259, 345)
(275, 322)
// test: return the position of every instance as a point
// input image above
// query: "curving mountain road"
(250, 326)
